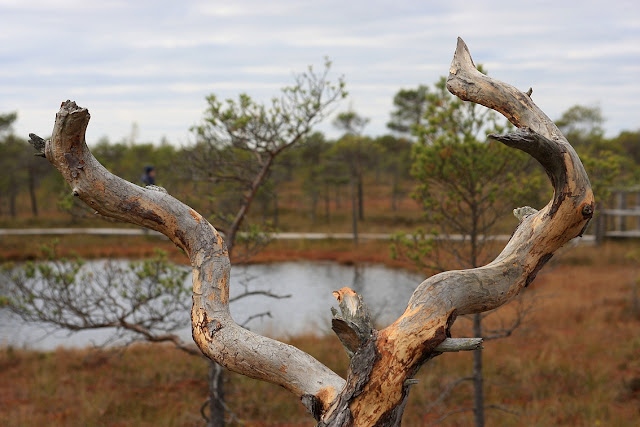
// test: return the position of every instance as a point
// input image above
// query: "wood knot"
(213, 327)
(587, 211)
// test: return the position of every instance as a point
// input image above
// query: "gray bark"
(478, 376)
(216, 396)
(32, 191)
(354, 211)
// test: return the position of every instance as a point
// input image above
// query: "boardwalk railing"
(276, 236)
(622, 220)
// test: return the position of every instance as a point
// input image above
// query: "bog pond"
(309, 284)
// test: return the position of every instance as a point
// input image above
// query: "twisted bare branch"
(401, 348)
(217, 335)
(384, 362)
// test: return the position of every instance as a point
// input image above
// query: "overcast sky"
(153, 62)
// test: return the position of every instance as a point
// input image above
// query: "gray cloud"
(153, 62)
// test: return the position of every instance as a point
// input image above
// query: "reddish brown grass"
(576, 361)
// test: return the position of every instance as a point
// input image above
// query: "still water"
(386, 291)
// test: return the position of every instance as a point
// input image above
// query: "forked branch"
(384, 362)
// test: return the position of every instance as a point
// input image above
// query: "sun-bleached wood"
(384, 361)
(399, 350)
(214, 331)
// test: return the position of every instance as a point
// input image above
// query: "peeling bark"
(404, 346)
(384, 362)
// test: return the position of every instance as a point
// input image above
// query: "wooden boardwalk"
(622, 218)
(276, 236)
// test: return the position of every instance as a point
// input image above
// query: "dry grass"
(575, 362)
(84, 387)
(20, 248)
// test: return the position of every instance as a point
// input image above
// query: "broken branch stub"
(354, 328)
(353, 325)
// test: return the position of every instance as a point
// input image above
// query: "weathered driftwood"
(383, 362)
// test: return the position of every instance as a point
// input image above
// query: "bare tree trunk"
(354, 210)
(247, 199)
(13, 194)
(216, 395)
(478, 377)
(32, 191)
(276, 210)
(327, 203)
(313, 207)
(395, 190)
(360, 198)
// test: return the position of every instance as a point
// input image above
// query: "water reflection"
(310, 284)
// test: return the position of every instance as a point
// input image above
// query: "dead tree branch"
(382, 368)
(400, 349)
(219, 337)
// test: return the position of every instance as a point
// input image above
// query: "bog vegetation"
(432, 174)
(309, 185)
(566, 374)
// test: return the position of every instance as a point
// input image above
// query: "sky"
(143, 68)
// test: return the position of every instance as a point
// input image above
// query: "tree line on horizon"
(437, 152)
(328, 174)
